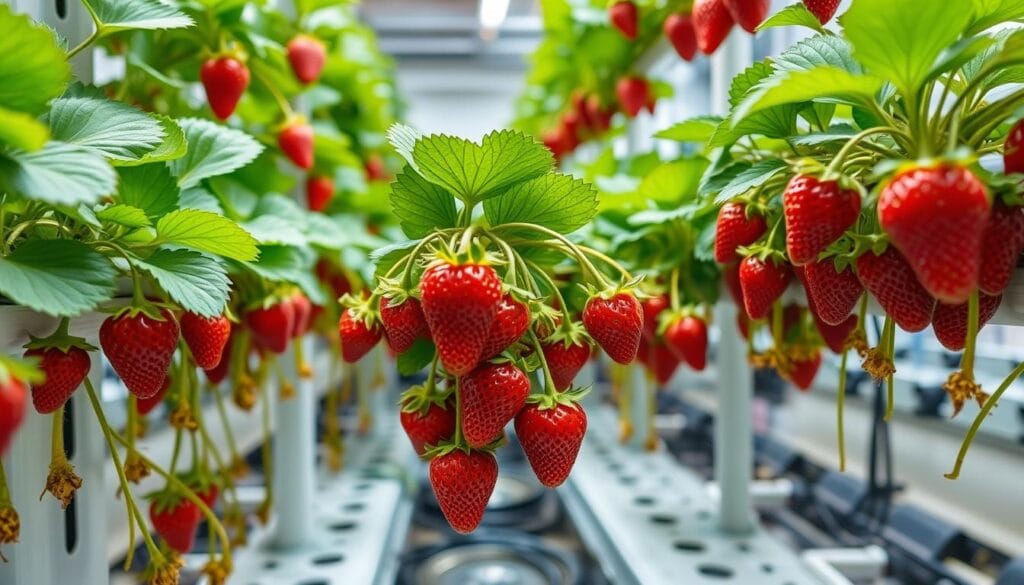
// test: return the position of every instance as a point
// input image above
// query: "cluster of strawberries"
(486, 340)
(672, 337)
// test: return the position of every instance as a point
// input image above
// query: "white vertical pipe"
(639, 384)
(734, 452)
(294, 457)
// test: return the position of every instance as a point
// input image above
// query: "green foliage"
(59, 277)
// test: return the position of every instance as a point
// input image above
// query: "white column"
(294, 473)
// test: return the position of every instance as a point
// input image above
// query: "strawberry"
(403, 322)
(359, 334)
(763, 282)
(558, 141)
(950, 321)
(145, 406)
(139, 348)
(224, 79)
(1001, 247)
(890, 279)
(935, 216)
(572, 123)
(616, 322)
(652, 309)
(687, 337)
(206, 338)
(680, 32)
(492, 394)
(319, 191)
(743, 323)
(306, 55)
(734, 229)
(817, 214)
(463, 483)
(296, 142)
(303, 311)
(176, 520)
(565, 359)
(375, 169)
(428, 419)
(749, 14)
(835, 292)
(460, 302)
(731, 276)
(1013, 149)
(713, 22)
(634, 94)
(599, 116)
(510, 323)
(272, 325)
(661, 361)
(824, 10)
(13, 396)
(835, 336)
(217, 374)
(551, 435)
(623, 15)
(804, 370)
(64, 371)
(208, 494)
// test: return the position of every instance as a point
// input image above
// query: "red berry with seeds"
(1013, 150)
(950, 321)
(817, 214)
(492, 394)
(145, 406)
(64, 371)
(623, 16)
(890, 279)
(551, 437)
(140, 348)
(652, 309)
(296, 142)
(510, 323)
(804, 370)
(687, 337)
(661, 361)
(824, 10)
(936, 217)
(713, 22)
(303, 311)
(358, 335)
(763, 282)
(403, 322)
(616, 324)
(427, 420)
(272, 325)
(13, 396)
(319, 192)
(680, 32)
(735, 229)
(217, 374)
(463, 484)
(634, 94)
(835, 292)
(176, 523)
(206, 338)
(565, 360)
(307, 56)
(749, 14)
(225, 80)
(1001, 247)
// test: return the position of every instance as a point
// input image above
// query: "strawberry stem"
(973, 317)
(549, 381)
(833, 168)
(888, 344)
(980, 419)
(458, 439)
(222, 413)
(673, 289)
(268, 460)
(841, 399)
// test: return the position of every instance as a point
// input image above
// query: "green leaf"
(747, 80)
(698, 129)
(196, 282)
(22, 130)
(421, 206)
(816, 51)
(59, 173)
(403, 138)
(898, 41)
(149, 188)
(212, 150)
(674, 182)
(956, 56)
(827, 84)
(272, 229)
(173, 146)
(291, 265)
(558, 202)
(793, 15)
(758, 174)
(473, 172)
(207, 232)
(989, 13)
(125, 215)
(33, 67)
(836, 133)
(416, 357)
(118, 15)
(113, 129)
(57, 277)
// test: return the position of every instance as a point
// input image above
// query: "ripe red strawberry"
(303, 311)
(140, 349)
(835, 292)
(599, 116)
(319, 191)
(763, 282)
(950, 321)
(616, 324)
(296, 142)
(680, 32)
(652, 309)
(804, 370)
(688, 338)
(1013, 149)
(743, 323)
(307, 56)
(634, 94)
(572, 123)
(145, 406)
(731, 276)
(463, 483)
(1001, 247)
(623, 15)
(358, 335)
(936, 217)
(460, 302)
(733, 229)
(565, 360)
(823, 9)
(817, 214)
(510, 323)
(403, 322)
(713, 22)
(217, 374)
(374, 167)
(427, 420)
(272, 325)
(206, 338)
(13, 396)
(749, 14)
(558, 141)
(176, 522)
(551, 435)
(835, 336)
(64, 371)
(661, 361)
(891, 281)
(492, 394)
(208, 494)
(225, 80)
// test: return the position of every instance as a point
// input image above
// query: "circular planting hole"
(767, 568)
(331, 559)
(663, 519)
(270, 565)
(716, 571)
(743, 547)
(703, 514)
(690, 546)
(313, 582)
(354, 507)
(614, 467)
(627, 479)
(363, 487)
(644, 501)
(342, 526)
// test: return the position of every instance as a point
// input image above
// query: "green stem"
(980, 419)
(573, 249)
(566, 316)
(5, 494)
(549, 382)
(837, 162)
(85, 43)
(967, 363)
(458, 439)
(222, 413)
(777, 332)
(840, 400)
(889, 337)
(282, 102)
(673, 290)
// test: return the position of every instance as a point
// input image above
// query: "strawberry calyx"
(549, 401)
(290, 121)
(392, 292)
(21, 370)
(59, 339)
(445, 447)
(421, 398)
(166, 499)
(472, 252)
(569, 333)
(764, 252)
(361, 309)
